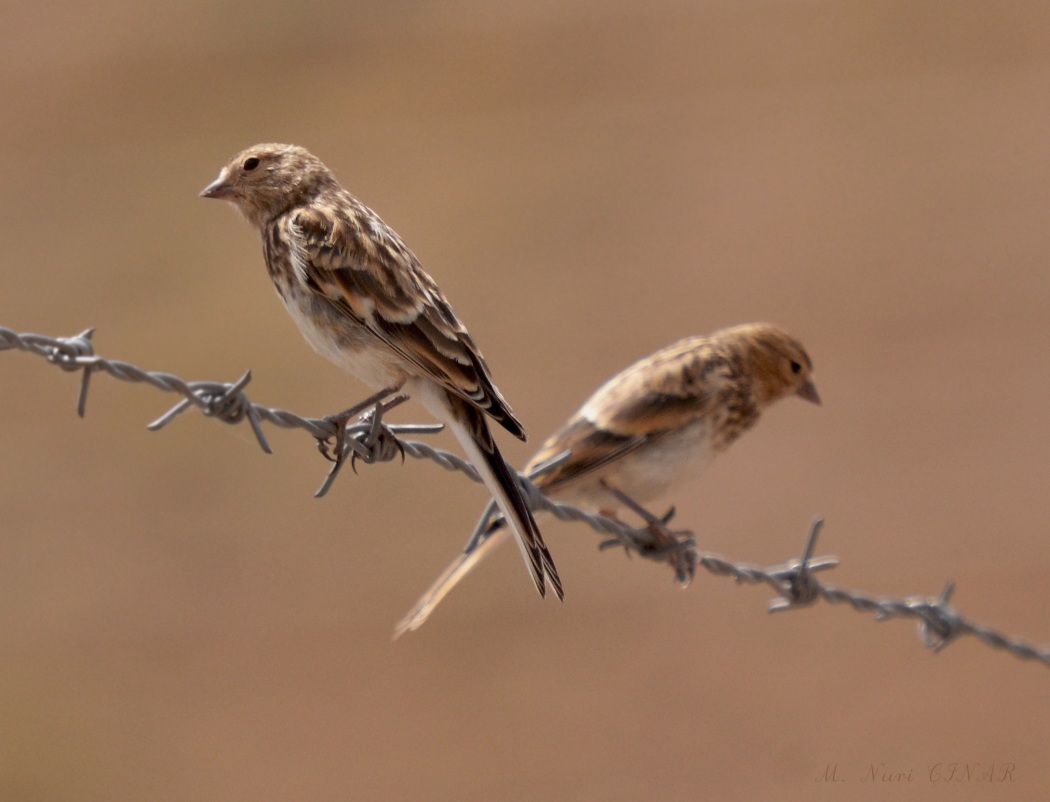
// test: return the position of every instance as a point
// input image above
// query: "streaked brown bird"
(361, 298)
(652, 427)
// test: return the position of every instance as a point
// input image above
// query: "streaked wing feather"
(373, 277)
(591, 448)
(651, 399)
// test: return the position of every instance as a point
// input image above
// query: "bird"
(650, 428)
(361, 298)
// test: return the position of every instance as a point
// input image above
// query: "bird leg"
(337, 452)
(657, 541)
(375, 444)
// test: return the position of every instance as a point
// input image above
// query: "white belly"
(646, 475)
(347, 343)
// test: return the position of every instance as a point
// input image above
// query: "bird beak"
(809, 392)
(219, 188)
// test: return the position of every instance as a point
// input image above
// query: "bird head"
(776, 361)
(267, 180)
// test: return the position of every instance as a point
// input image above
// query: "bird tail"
(496, 534)
(470, 428)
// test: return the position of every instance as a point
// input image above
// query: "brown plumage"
(652, 426)
(361, 298)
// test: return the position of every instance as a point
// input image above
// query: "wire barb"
(800, 587)
(371, 440)
(939, 625)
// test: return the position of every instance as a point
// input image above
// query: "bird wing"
(652, 399)
(363, 268)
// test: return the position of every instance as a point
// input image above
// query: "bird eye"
(795, 367)
(250, 164)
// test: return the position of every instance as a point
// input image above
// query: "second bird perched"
(361, 298)
(652, 426)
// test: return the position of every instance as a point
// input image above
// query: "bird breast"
(344, 341)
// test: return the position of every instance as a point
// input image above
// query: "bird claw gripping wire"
(337, 426)
(376, 444)
(795, 579)
(369, 439)
(657, 541)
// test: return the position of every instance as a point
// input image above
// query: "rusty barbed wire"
(371, 440)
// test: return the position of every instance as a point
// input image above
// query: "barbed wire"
(371, 440)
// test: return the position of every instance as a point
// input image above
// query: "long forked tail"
(470, 428)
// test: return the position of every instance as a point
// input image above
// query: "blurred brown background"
(588, 181)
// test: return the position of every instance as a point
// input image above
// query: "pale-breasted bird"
(652, 427)
(361, 298)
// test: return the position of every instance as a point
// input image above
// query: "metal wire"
(370, 440)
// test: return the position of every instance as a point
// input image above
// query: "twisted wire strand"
(370, 440)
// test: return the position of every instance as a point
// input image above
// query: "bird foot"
(656, 540)
(371, 441)
(675, 547)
